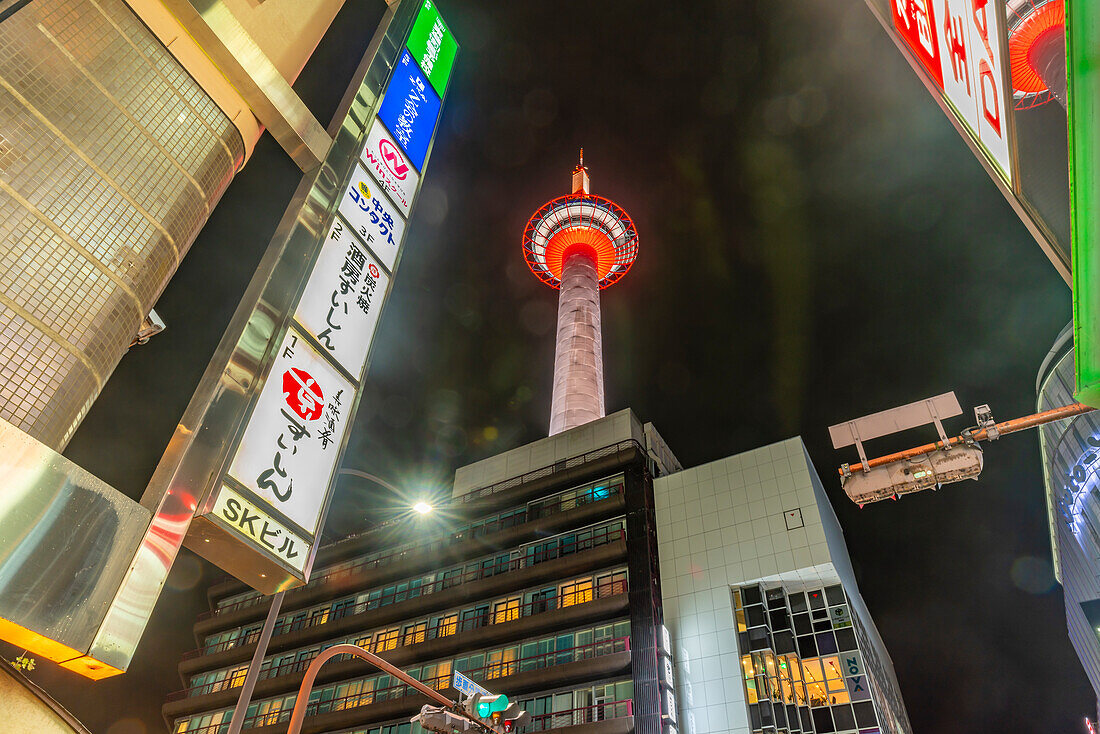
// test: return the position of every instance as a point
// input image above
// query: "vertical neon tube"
(1083, 114)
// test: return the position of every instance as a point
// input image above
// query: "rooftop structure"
(579, 244)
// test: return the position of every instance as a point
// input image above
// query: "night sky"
(817, 243)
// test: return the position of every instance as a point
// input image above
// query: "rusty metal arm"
(1010, 426)
(298, 715)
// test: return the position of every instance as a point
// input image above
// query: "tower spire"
(580, 178)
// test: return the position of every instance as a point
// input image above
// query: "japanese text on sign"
(372, 217)
(343, 298)
(248, 519)
(972, 81)
(410, 109)
(389, 166)
(433, 46)
(289, 449)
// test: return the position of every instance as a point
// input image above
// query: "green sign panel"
(433, 46)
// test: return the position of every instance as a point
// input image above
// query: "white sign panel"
(383, 158)
(248, 519)
(970, 54)
(343, 298)
(289, 450)
(373, 217)
(855, 677)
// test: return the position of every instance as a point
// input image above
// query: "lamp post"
(236, 723)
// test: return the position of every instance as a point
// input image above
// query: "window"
(611, 584)
(447, 625)
(236, 676)
(500, 663)
(415, 633)
(363, 642)
(577, 592)
(506, 611)
(386, 640)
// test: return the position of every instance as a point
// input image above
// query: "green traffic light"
(486, 709)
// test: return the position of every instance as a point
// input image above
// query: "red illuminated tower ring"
(579, 244)
(580, 220)
(1037, 51)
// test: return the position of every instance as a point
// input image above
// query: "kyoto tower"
(579, 244)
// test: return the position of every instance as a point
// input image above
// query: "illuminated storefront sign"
(433, 46)
(299, 360)
(410, 109)
(341, 303)
(385, 161)
(259, 527)
(854, 677)
(289, 450)
(958, 42)
(372, 217)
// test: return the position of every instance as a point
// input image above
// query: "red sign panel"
(915, 21)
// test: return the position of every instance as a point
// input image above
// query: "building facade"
(1070, 464)
(768, 629)
(544, 586)
(547, 587)
(119, 132)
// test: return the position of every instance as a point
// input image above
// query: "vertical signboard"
(958, 42)
(264, 502)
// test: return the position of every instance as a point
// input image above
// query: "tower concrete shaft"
(578, 355)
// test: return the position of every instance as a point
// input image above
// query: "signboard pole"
(253, 675)
(1083, 112)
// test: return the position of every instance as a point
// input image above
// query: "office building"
(1070, 462)
(544, 586)
(768, 629)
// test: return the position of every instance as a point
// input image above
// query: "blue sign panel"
(463, 684)
(410, 109)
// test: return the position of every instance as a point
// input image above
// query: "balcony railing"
(546, 471)
(442, 682)
(584, 715)
(532, 557)
(442, 628)
(553, 507)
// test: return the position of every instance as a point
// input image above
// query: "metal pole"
(250, 678)
(301, 702)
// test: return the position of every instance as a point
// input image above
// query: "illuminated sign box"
(433, 46)
(410, 109)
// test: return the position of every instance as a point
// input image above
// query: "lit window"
(236, 677)
(506, 611)
(448, 625)
(415, 633)
(577, 592)
(386, 640)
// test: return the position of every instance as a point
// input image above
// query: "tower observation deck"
(579, 244)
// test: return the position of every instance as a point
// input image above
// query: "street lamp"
(236, 723)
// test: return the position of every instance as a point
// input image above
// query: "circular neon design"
(1034, 26)
(574, 221)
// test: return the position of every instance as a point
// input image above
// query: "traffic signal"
(439, 719)
(483, 706)
(513, 717)
(496, 712)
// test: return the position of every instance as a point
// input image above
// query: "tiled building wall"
(760, 516)
(111, 158)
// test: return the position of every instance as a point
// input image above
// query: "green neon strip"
(1083, 112)
(433, 46)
